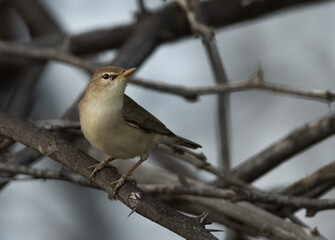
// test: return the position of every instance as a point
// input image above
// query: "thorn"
(315, 231)
(132, 211)
(203, 218)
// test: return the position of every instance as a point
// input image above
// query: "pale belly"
(123, 141)
(115, 137)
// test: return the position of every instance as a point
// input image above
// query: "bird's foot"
(97, 167)
(118, 183)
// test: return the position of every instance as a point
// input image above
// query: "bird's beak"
(127, 73)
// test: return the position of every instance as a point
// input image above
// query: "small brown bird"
(115, 124)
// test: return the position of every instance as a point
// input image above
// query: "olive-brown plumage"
(114, 123)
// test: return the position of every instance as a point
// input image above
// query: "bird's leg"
(97, 167)
(118, 183)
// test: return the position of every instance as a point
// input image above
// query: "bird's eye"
(105, 76)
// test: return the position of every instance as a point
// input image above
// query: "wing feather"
(135, 115)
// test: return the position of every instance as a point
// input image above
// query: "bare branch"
(201, 163)
(190, 8)
(310, 204)
(189, 93)
(267, 225)
(46, 174)
(55, 125)
(45, 53)
(192, 93)
(61, 151)
(300, 139)
(197, 190)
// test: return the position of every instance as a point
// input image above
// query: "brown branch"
(214, 13)
(310, 204)
(25, 157)
(267, 225)
(297, 141)
(46, 174)
(306, 184)
(38, 19)
(189, 93)
(196, 190)
(100, 40)
(63, 152)
(45, 53)
(223, 101)
(201, 163)
(56, 125)
(190, 8)
(254, 83)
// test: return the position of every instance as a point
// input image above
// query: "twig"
(46, 174)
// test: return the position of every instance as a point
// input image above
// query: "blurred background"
(295, 48)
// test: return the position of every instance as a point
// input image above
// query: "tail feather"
(187, 143)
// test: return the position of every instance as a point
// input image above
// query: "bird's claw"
(96, 168)
(118, 183)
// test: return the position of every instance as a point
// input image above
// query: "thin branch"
(45, 53)
(55, 125)
(201, 163)
(223, 102)
(46, 174)
(190, 8)
(310, 204)
(63, 152)
(256, 82)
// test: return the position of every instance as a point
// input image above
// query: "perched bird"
(115, 124)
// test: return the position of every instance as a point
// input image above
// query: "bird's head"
(110, 80)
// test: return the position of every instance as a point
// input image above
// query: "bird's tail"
(187, 143)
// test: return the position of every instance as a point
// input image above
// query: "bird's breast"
(105, 128)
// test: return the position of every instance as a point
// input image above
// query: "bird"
(116, 125)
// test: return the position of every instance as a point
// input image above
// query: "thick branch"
(214, 13)
(268, 225)
(297, 141)
(61, 151)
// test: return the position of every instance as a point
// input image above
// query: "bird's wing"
(137, 116)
